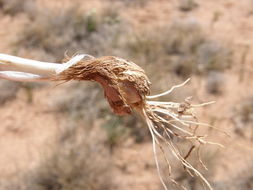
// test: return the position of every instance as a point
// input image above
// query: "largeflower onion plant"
(126, 88)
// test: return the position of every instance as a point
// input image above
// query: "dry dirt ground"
(28, 129)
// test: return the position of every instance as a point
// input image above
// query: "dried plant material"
(127, 88)
(125, 84)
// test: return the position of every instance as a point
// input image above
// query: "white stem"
(21, 69)
(13, 63)
(21, 76)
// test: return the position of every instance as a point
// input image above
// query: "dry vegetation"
(72, 163)
(243, 118)
(8, 91)
(171, 41)
(55, 32)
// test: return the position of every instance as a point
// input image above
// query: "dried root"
(169, 120)
(126, 88)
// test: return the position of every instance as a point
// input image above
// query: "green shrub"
(71, 30)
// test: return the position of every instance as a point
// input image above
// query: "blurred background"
(65, 137)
